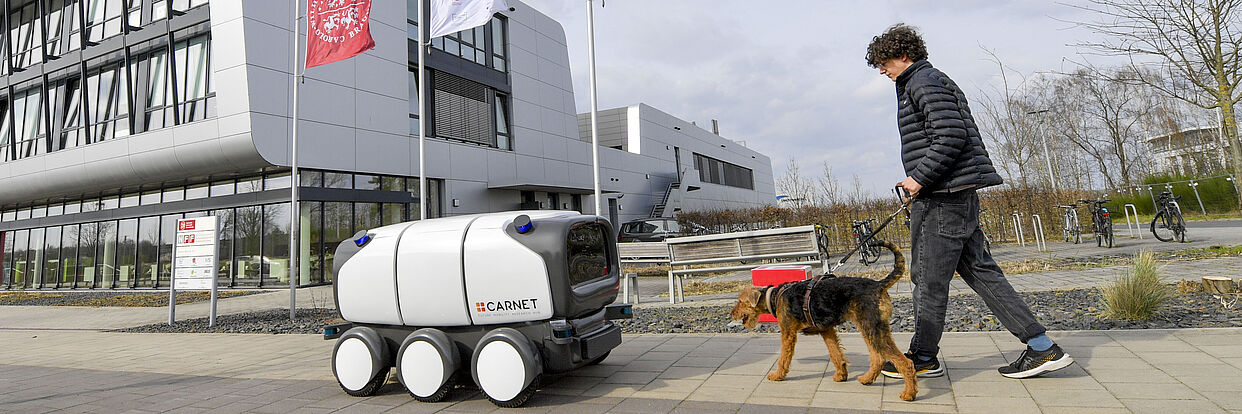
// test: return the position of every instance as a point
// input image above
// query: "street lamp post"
(1052, 181)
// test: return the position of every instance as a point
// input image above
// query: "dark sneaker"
(922, 369)
(1032, 363)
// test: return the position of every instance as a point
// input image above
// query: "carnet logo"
(186, 225)
(506, 305)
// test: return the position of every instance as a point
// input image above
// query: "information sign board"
(194, 255)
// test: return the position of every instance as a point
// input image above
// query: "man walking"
(945, 164)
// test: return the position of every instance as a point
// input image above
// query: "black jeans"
(945, 237)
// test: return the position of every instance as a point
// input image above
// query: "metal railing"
(1017, 229)
(1037, 225)
(1138, 227)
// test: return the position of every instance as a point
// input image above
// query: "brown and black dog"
(833, 300)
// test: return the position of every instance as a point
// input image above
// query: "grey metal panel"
(187, 206)
(112, 165)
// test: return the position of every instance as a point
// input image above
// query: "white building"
(118, 122)
(1192, 151)
(664, 165)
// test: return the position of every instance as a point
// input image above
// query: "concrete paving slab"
(290, 373)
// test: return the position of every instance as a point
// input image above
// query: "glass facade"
(254, 240)
(715, 171)
(461, 109)
(166, 80)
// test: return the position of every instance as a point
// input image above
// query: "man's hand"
(912, 186)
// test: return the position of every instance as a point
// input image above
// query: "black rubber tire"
(519, 399)
(440, 393)
(1181, 228)
(872, 253)
(1107, 232)
(599, 359)
(1159, 219)
(372, 386)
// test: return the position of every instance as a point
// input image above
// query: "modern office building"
(1193, 151)
(121, 116)
(664, 165)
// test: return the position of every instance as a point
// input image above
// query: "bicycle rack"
(1138, 227)
(1017, 229)
(1037, 225)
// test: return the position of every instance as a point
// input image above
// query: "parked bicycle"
(1069, 223)
(1168, 224)
(870, 251)
(821, 239)
(1101, 222)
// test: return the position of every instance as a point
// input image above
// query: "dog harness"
(806, 301)
(767, 296)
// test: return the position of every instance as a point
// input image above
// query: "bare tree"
(1196, 45)
(1103, 113)
(1006, 122)
(828, 189)
(797, 188)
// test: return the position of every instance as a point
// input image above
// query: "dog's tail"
(899, 264)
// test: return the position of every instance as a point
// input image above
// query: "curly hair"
(899, 40)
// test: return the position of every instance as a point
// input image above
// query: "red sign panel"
(185, 225)
(337, 30)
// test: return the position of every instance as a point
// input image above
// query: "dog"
(833, 300)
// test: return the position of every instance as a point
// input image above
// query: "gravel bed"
(152, 298)
(274, 321)
(1077, 309)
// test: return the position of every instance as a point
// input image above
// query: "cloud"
(789, 78)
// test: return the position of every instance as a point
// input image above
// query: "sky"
(789, 78)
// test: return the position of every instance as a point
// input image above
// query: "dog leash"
(904, 206)
(806, 299)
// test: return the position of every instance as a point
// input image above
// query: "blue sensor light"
(523, 224)
(363, 240)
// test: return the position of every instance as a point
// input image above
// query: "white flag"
(451, 16)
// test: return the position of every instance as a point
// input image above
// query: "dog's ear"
(751, 296)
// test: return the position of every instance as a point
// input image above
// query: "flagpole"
(422, 116)
(294, 213)
(594, 107)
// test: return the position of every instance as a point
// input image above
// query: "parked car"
(648, 230)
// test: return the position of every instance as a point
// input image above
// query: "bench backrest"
(642, 251)
(730, 246)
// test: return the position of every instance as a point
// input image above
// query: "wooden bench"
(791, 245)
(643, 252)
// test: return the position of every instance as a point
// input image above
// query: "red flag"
(337, 30)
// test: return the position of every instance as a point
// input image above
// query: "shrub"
(1137, 294)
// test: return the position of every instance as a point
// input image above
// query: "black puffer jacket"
(940, 143)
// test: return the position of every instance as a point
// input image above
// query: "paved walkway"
(1152, 371)
(107, 318)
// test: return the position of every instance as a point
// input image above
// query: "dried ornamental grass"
(1138, 293)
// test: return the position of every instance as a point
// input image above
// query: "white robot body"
(500, 298)
(447, 272)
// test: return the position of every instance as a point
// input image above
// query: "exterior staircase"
(658, 209)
